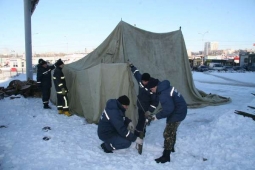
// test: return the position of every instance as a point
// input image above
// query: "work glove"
(63, 91)
(152, 118)
(130, 64)
(131, 126)
(147, 114)
(139, 141)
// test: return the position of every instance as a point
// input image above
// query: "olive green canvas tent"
(103, 74)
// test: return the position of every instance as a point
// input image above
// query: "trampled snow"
(212, 137)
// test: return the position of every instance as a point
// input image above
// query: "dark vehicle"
(239, 69)
(251, 62)
(216, 66)
(202, 68)
(251, 68)
(194, 68)
(228, 68)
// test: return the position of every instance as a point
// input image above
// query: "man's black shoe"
(47, 107)
(105, 149)
(163, 159)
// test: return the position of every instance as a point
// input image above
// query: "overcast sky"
(73, 25)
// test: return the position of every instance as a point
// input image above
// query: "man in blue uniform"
(113, 126)
(61, 89)
(174, 109)
(146, 100)
(44, 81)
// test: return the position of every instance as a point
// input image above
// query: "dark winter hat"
(41, 62)
(152, 83)
(124, 100)
(59, 62)
(146, 77)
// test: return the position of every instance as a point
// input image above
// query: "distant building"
(251, 62)
(210, 46)
(20, 62)
(242, 58)
(13, 62)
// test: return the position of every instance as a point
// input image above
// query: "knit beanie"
(124, 100)
(59, 62)
(146, 76)
(152, 83)
(41, 62)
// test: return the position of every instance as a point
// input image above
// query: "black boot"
(164, 158)
(46, 106)
(105, 149)
(173, 150)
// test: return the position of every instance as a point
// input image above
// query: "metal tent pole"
(28, 39)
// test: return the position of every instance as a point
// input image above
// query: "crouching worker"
(174, 109)
(60, 86)
(113, 126)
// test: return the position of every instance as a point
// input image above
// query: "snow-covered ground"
(212, 137)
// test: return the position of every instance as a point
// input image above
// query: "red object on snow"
(14, 70)
(236, 59)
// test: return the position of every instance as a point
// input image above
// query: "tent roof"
(163, 55)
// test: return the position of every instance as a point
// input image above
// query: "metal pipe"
(28, 39)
